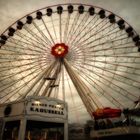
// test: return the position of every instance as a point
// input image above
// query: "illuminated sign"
(46, 108)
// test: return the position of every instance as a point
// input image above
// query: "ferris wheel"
(82, 54)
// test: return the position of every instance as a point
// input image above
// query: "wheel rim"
(103, 50)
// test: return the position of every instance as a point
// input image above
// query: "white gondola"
(126, 129)
(121, 133)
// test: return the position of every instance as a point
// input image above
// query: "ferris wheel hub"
(59, 50)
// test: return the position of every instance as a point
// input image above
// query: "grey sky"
(12, 10)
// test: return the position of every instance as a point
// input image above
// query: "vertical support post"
(46, 74)
(48, 70)
(66, 130)
(89, 99)
(22, 129)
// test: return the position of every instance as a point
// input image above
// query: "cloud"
(12, 10)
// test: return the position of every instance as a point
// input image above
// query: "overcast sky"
(12, 10)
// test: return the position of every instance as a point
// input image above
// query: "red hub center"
(59, 50)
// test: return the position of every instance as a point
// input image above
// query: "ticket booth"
(35, 118)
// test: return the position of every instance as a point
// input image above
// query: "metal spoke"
(79, 56)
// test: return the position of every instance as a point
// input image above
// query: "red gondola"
(106, 113)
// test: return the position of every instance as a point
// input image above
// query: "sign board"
(46, 107)
(115, 131)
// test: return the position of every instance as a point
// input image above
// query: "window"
(37, 130)
(11, 130)
(1, 126)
